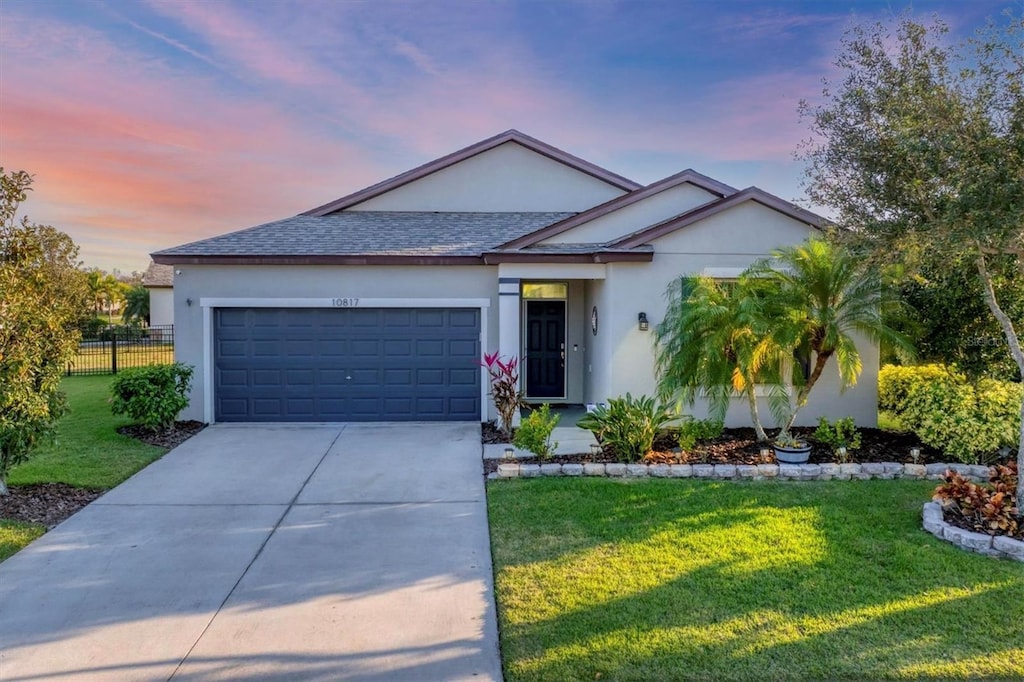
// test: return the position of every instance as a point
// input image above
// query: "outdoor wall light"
(509, 453)
(188, 302)
(644, 324)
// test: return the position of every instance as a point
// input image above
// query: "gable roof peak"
(448, 160)
(719, 189)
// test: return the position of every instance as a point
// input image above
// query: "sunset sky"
(149, 124)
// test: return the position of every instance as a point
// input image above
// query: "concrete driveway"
(268, 552)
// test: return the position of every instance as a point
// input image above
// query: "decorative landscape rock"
(810, 472)
(703, 470)
(592, 469)
(660, 470)
(572, 469)
(529, 470)
(508, 470)
(680, 470)
(636, 470)
(615, 469)
(550, 469)
(828, 471)
(768, 470)
(789, 472)
(725, 471)
(980, 543)
(747, 471)
(914, 471)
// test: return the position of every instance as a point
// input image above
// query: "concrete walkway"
(268, 552)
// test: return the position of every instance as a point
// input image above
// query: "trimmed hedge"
(969, 421)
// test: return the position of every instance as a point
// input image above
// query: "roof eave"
(316, 259)
(498, 257)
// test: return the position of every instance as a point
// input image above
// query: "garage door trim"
(208, 304)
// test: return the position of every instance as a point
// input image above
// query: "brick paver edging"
(755, 472)
(1000, 546)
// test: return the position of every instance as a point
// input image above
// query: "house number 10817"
(345, 302)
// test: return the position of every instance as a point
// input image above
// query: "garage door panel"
(346, 364)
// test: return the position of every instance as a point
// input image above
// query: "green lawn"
(88, 453)
(653, 580)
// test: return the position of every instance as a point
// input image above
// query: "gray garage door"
(354, 364)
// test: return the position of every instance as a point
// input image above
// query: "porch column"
(508, 321)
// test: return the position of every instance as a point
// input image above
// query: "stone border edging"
(1001, 546)
(750, 472)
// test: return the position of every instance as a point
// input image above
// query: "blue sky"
(153, 123)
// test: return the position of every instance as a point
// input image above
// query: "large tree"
(918, 147)
(42, 293)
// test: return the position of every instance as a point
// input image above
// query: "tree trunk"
(1018, 356)
(4, 492)
(820, 360)
(752, 399)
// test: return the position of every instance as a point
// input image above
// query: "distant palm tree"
(136, 307)
(712, 342)
(817, 296)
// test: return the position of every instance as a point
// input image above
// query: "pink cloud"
(130, 156)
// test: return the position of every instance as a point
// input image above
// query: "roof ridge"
(448, 160)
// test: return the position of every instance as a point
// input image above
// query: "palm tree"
(817, 296)
(136, 307)
(711, 341)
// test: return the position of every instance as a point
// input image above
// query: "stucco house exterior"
(378, 306)
(159, 280)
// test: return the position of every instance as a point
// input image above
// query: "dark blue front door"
(545, 349)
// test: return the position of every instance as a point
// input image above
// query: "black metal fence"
(107, 350)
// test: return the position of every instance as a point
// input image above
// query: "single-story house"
(159, 280)
(379, 305)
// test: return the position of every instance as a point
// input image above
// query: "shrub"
(983, 508)
(842, 434)
(967, 421)
(627, 425)
(505, 392)
(693, 430)
(534, 433)
(152, 396)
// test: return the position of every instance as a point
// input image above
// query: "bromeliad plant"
(504, 379)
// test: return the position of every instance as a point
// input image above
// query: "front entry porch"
(543, 320)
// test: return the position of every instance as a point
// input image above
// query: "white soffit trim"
(553, 271)
(722, 273)
(345, 302)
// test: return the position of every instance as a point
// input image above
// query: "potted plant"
(791, 450)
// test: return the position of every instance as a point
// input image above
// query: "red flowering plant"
(504, 376)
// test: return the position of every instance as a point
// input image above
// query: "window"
(554, 290)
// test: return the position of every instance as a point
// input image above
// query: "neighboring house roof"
(707, 210)
(378, 236)
(158, 276)
(689, 175)
(531, 143)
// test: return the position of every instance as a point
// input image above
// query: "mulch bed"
(167, 438)
(45, 503)
(50, 503)
(740, 446)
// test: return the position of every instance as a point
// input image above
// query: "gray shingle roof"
(157, 275)
(373, 233)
